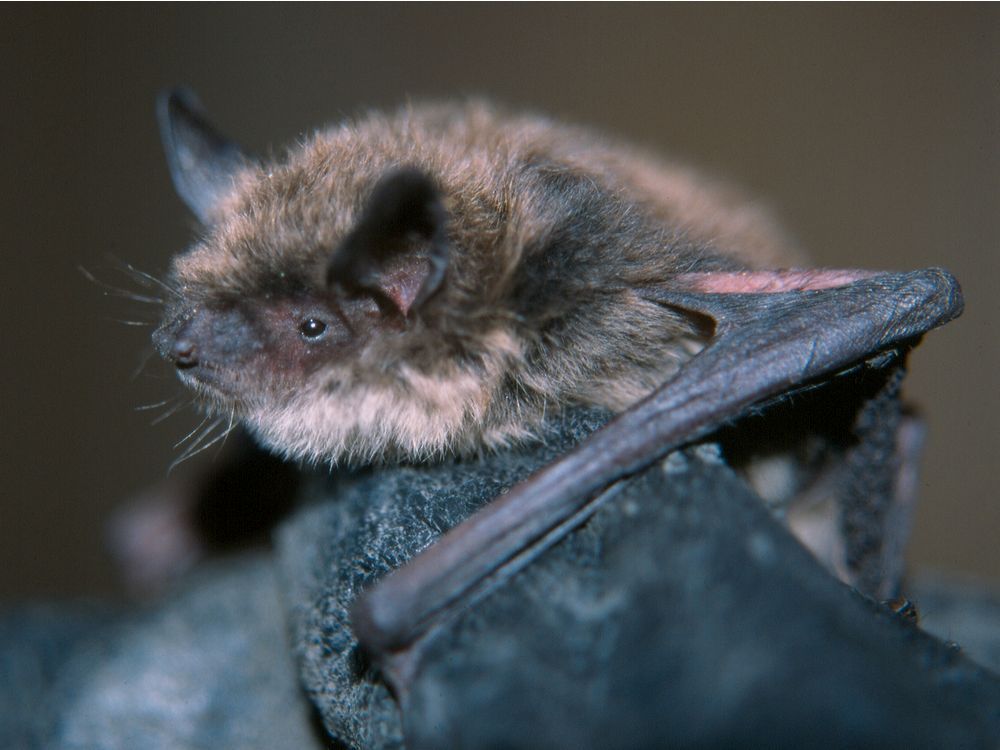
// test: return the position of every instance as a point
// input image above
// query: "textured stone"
(361, 527)
(680, 614)
(209, 668)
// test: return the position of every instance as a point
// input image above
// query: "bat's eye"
(312, 328)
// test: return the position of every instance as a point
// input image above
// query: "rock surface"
(209, 668)
(680, 614)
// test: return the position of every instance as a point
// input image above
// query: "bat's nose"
(207, 339)
(184, 353)
(175, 343)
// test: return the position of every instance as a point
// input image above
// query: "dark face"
(240, 348)
(267, 341)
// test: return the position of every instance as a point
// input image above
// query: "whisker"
(173, 410)
(115, 291)
(157, 405)
(194, 448)
(229, 428)
(143, 361)
(146, 279)
(133, 296)
(191, 453)
(204, 434)
(184, 439)
(130, 322)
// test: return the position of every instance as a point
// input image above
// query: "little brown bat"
(434, 282)
(439, 281)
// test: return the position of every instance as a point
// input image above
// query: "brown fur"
(554, 233)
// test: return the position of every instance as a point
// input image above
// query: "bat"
(440, 281)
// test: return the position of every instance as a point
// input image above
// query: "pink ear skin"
(400, 280)
(771, 282)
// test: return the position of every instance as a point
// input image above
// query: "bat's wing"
(774, 332)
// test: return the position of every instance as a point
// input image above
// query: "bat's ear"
(398, 250)
(202, 161)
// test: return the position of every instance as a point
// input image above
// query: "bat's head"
(320, 305)
(432, 282)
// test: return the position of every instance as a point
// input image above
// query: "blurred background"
(873, 132)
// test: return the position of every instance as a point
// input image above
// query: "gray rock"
(962, 611)
(210, 668)
(361, 527)
(37, 641)
(681, 614)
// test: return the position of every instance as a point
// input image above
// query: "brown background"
(874, 132)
